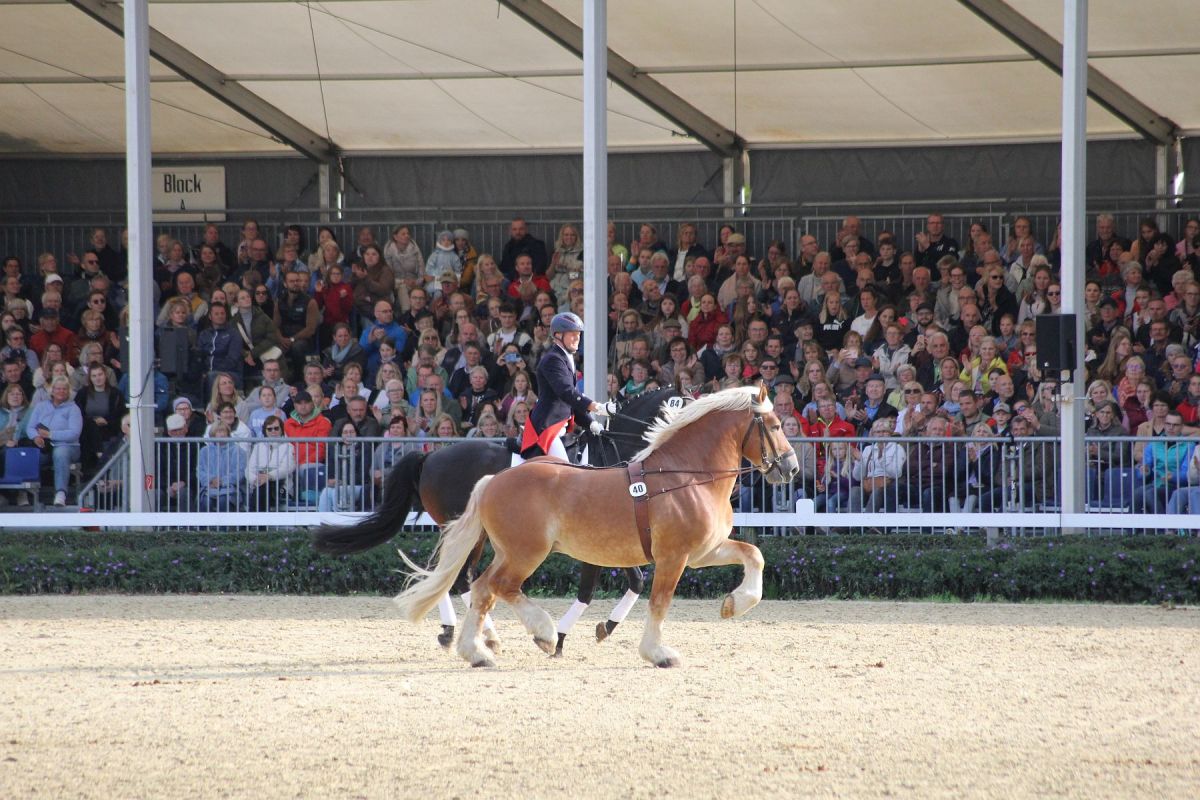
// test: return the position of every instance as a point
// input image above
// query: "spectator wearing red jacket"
(702, 330)
(335, 298)
(526, 285)
(307, 421)
(51, 332)
(824, 422)
(1189, 409)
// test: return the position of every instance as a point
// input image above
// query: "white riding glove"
(608, 409)
(596, 428)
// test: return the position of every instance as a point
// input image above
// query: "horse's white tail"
(458, 540)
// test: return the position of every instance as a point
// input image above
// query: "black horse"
(444, 478)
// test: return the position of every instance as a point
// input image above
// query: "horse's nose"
(793, 465)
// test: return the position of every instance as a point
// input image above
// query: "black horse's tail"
(385, 521)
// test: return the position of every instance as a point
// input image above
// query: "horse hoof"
(446, 637)
(727, 607)
(483, 662)
(547, 646)
(601, 632)
(557, 653)
(493, 645)
(667, 663)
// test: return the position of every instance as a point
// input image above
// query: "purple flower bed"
(1126, 570)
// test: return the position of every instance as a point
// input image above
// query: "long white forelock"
(671, 420)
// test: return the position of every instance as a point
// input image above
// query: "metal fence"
(108, 489)
(904, 226)
(295, 480)
(28, 233)
(855, 484)
(1043, 223)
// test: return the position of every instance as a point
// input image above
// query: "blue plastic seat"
(22, 468)
(1118, 489)
(310, 480)
(23, 471)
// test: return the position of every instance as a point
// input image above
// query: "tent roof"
(472, 75)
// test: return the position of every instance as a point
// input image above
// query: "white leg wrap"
(621, 610)
(446, 611)
(571, 617)
(466, 598)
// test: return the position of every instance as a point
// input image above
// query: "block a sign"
(188, 194)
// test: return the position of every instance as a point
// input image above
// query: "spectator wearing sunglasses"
(270, 465)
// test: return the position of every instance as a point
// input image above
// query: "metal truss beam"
(705, 129)
(216, 83)
(1045, 48)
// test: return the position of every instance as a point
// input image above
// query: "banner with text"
(188, 194)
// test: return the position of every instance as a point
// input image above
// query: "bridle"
(765, 464)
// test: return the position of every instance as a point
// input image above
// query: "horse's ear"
(762, 393)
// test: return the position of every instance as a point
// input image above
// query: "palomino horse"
(670, 506)
(443, 480)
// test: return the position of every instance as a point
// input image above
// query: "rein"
(765, 465)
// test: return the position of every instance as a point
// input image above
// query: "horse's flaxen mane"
(674, 419)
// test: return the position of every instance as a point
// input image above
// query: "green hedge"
(1125, 570)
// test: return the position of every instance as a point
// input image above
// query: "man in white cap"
(176, 464)
(193, 423)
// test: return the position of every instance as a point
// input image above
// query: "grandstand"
(922, 261)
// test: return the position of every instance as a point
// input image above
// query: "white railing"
(994, 484)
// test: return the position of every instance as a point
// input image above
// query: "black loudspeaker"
(1056, 343)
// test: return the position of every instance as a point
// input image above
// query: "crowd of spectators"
(927, 339)
(362, 340)
(272, 337)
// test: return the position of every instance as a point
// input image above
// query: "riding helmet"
(566, 321)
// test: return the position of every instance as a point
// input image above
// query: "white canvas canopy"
(476, 75)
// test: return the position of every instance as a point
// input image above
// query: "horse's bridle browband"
(637, 475)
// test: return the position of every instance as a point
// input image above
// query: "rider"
(558, 399)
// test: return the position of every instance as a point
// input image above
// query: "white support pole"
(1074, 203)
(744, 189)
(595, 198)
(1177, 174)
(141, 245)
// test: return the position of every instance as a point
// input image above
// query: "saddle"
(571, 442)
